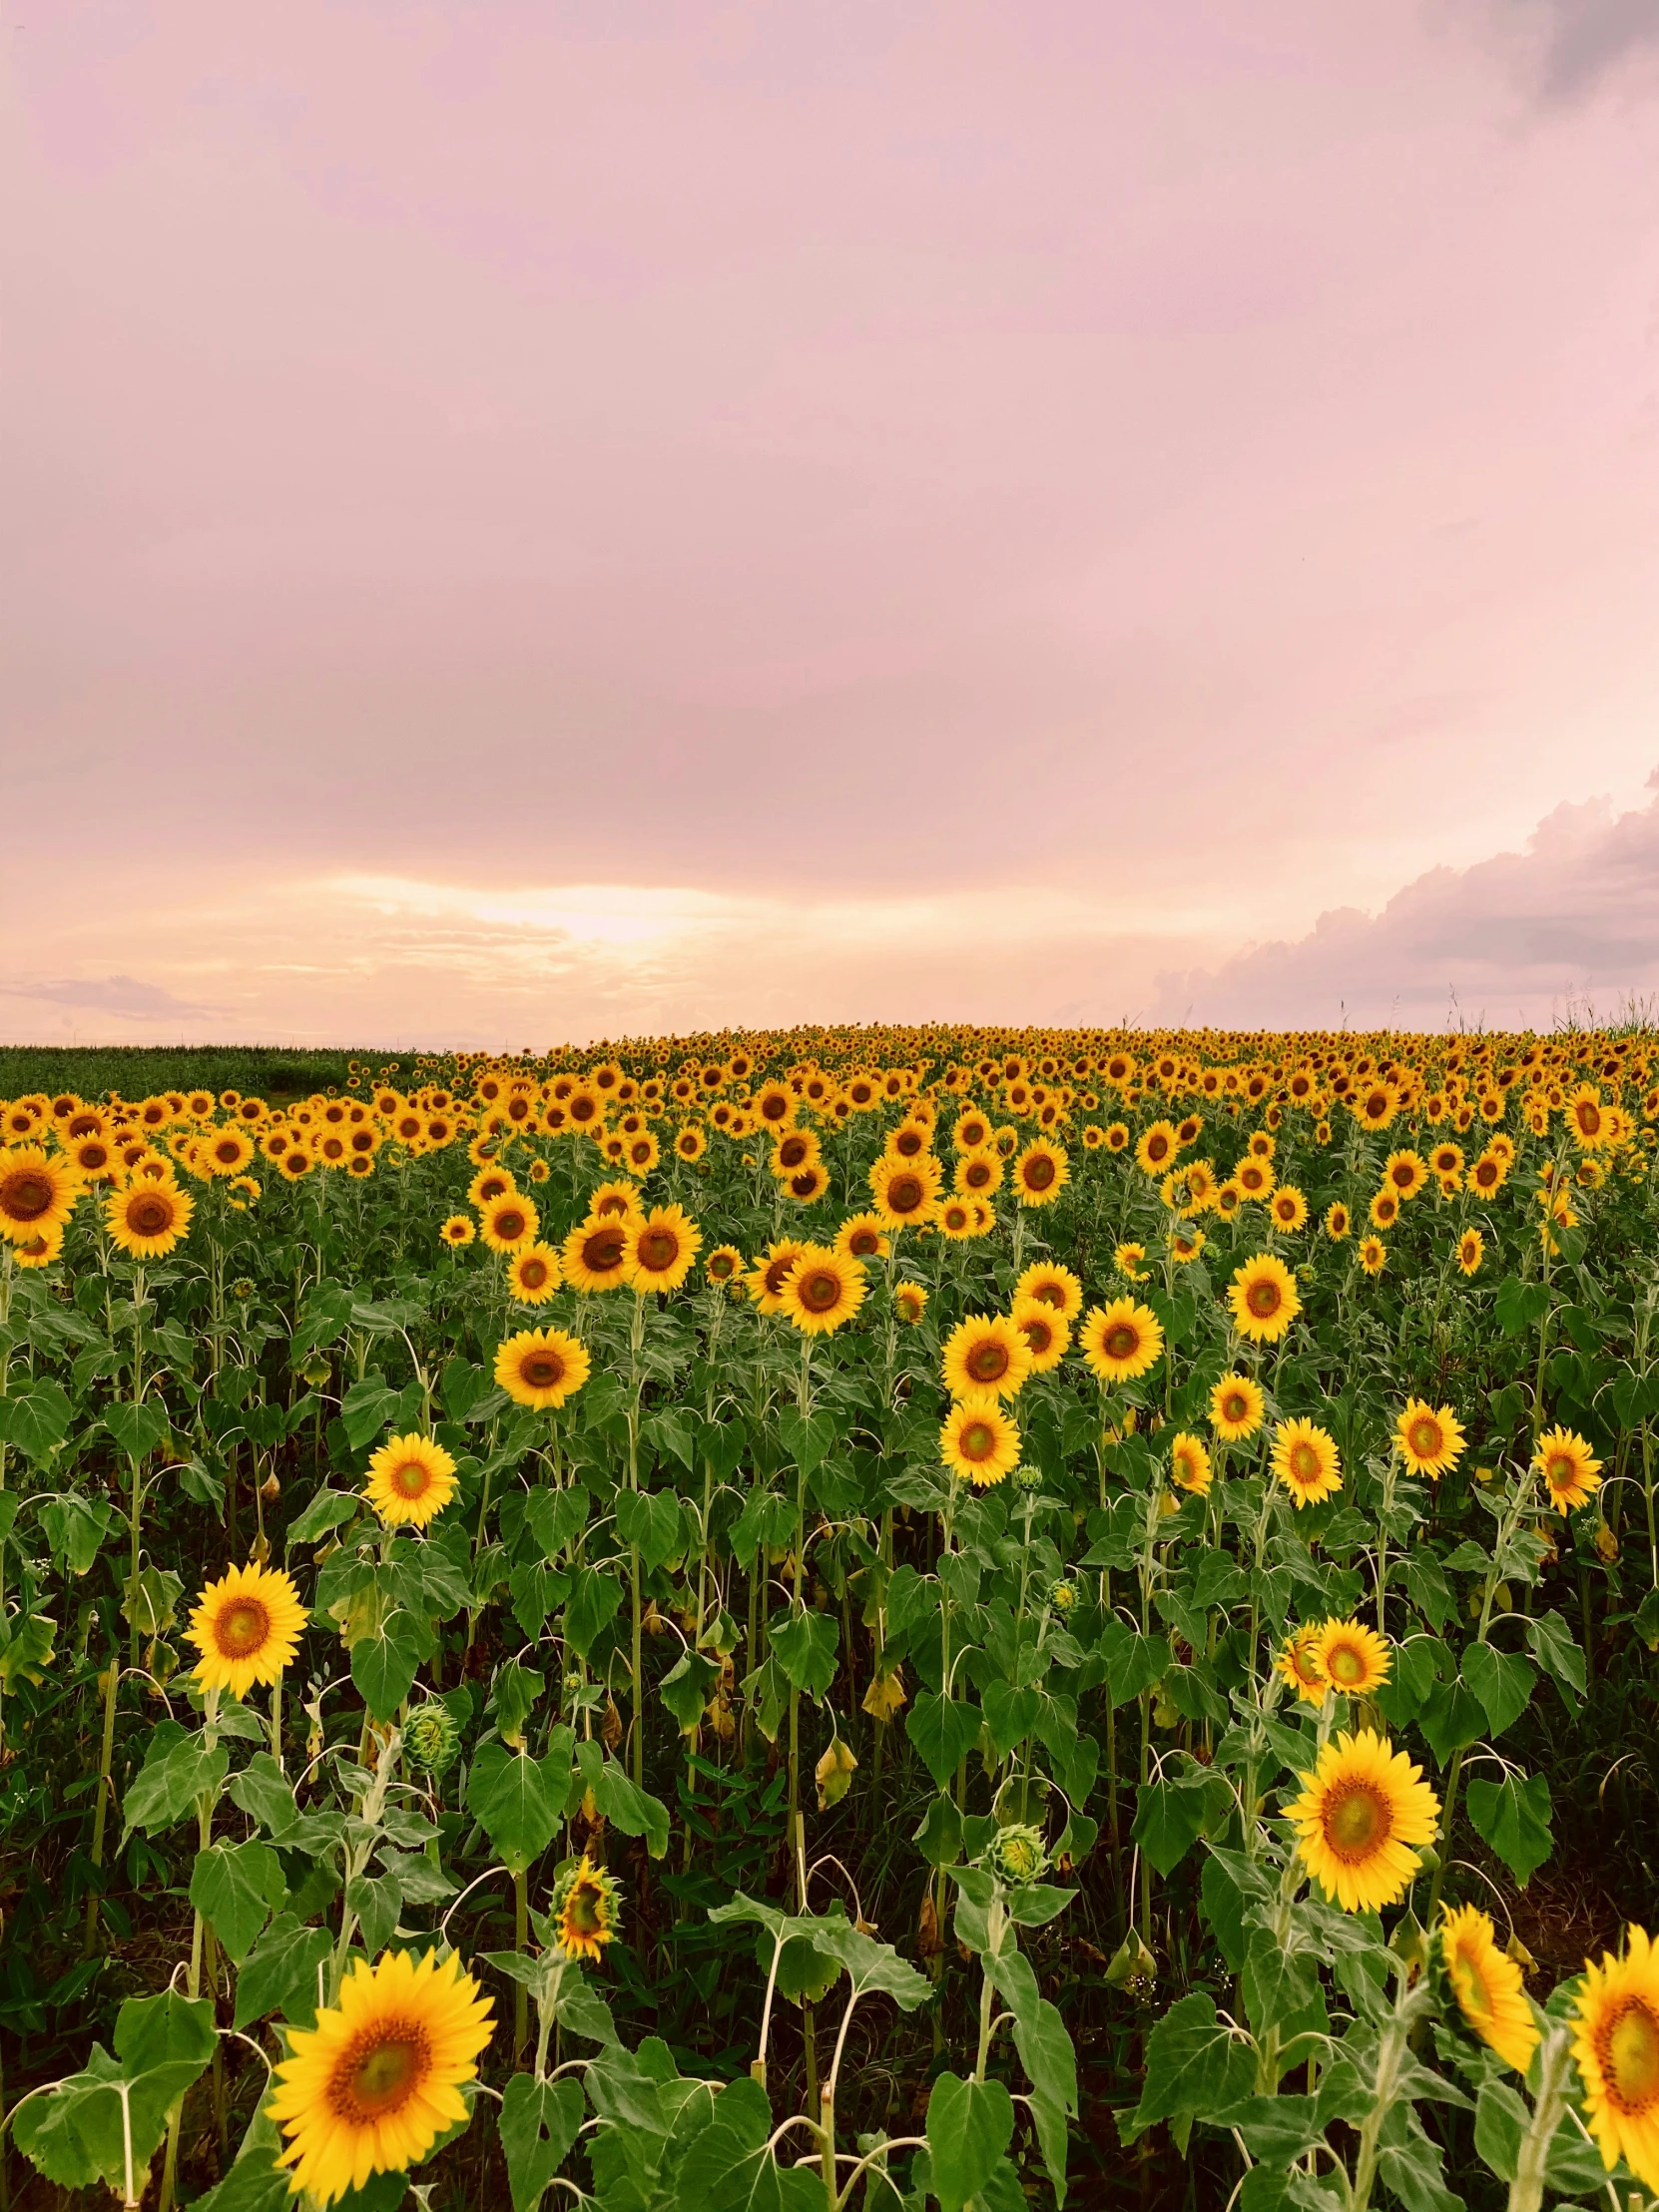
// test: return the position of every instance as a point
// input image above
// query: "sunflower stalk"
(1526, 2191)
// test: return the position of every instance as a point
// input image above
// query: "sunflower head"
(1263, 1297)
(372, 2087)
(823, 1290)
(247, 1627)
(585, 1910)
(1487, 1986)
(1190, 1465)
(1363, 1806)
(1237, 1405)
(1299, 1664)
(1571, 1473)
(541, 1368)
(660, 1248)
(149, 1218)
(1355, 1659)
(1616, 2050)
(979, 1440)
(411, 1479)
(986, 1352)
(1121, 1340)
(38, 1191)
(1305, 1461)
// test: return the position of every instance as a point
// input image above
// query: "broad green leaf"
(326, 1511)
(556, 1519)
(384, 1666)
(806, 1644)
(235, 1888)
(1194, 2065)
(178, 1769)
(76, 1527)
(594, 1598)
(279, 1974)
(517, 1802)
(807, 1439)
(263, 1793)
(367, 1408)
(1502, 1681)
(1168, 1822)
(138, 1429)
(1453, 1718)
(1513, 1816)
(636, 1812)
(255, 2183)
(1010, 1715)
(685, 1688)
(36, 1420)
(539, 2124)
(940, 1837)
(1556, 1652)
(943, 1730)
(969, 2126)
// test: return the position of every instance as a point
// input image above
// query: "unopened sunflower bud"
(431, 1739)
(1015, 1853)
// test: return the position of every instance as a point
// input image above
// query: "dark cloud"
(1586, 39)
(111, 994)
(1516, 940)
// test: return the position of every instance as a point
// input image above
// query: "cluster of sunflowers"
(860, 1182)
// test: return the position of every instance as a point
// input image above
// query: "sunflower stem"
(1526, 2191)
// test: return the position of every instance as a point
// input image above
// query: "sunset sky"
(527, 521)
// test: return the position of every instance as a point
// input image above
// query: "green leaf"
(166, 2029)
(636, 1812)
(1194, 2064)
(940, 1837)
(328, 1509)
(150, 1598)
(255, 2183)
(1453, 1718)
(808, 1440)
(367, 1408)
(1010, 1714)
(685, 1688)
(1559, 1654)
(235, 1888)
(869, 1964)
(1513, 1816)
(1501, 1680)
(76, 1527)
(138, 1429)
(279, 1974)
(377, 1905)
(35, 1421)
(519, 1802)
(1045, 2051)
(556, 1519)
(650, 1520)
(539, 2124)
(26, 1644)
(1168, 1822)
(178, 1769)
(263, 1793)
(969, 2126)
(943, 1730)
(384, 1666)
(594, 1598)
(1519, 1305)
(1279, 1983)
(805, 1645)
(514, 1694)
(1133, 1662)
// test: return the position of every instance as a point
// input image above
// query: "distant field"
(137, 1070)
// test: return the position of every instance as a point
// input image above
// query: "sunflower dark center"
(1357, 1821)
(1346, 1665)
(1039, 1173)
(1304, 1462)
(412, 1478)
(241, 1628)
(533, 1273)
(1424, 1439)
(657, 1250)
(820, 1291)
(380, 2070)
(149, 1215)
(905, 1194)
(1630, 2057)
(1121, 1341)
(603, 1251)
(1263, 1299)
(26, 1193)
(978, 1440)
(543, 1370)
(988, 1362)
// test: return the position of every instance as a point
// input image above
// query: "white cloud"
(1514, 941)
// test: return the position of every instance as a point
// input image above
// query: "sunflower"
(798, 1149)
(1157, 1149)
(1430, 1438)
(905, 1189)
(297, 1162)
(595, 1254)
(508, 1223)
(1471, 1250)
(533, 1273)
(1184, 1245)
(1361, 1807)
(541, 1368)
(1047, 1337)
(692, 1141)
(1056, 1286)
(490, 1184)
(979, 1440)
(1189, 1460)
(862, 1237)
(1616, 2046)
(585, 1907)
(823, 1290)
(1263, 1296)
(765, 1277)
(1126, 1261)
(614, 1202)
(985, 1355)
(910, 1303)
(1406, 1173)
(149, 1218)
(227, 1151)
(661, 1248)
(1587, 1118)
(1489, 1173)
(38, 1191)
(1121, 1340)
(372, 2087)
(809, 1184)
(1374, 1255)
(978, 1173)
(724, 1265)
(410, 1478)
(1254, 1176)
(1041, 1172)
(1287, 1208)
(1356, 1659)
(1236, 1408)
(1487, 1986)
(1298, 1662)
(1570, 1472)
(457, 1230)
(246, 1628)
(1305, 1461)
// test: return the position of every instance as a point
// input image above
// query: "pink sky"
(527, 520)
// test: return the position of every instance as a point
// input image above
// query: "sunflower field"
(862, 1618)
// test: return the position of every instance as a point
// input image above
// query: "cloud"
(1514, 941)
(112, 994)
(1585, 40)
